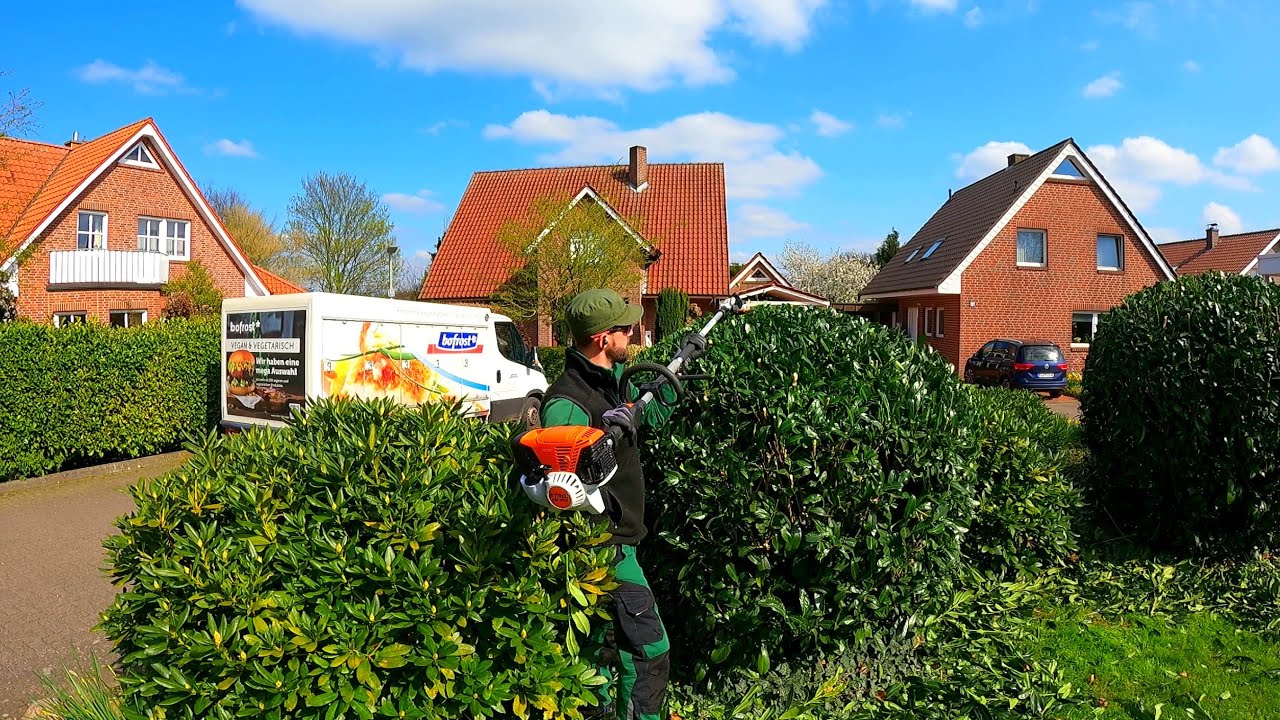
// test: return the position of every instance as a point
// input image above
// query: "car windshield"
(1040, 353)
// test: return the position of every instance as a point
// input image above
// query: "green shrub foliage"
(1181, 411)
(552, 359)
(672, 312)
(86, 392)
(370, 559)
(831, 483)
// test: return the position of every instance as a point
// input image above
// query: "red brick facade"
(124, 193)
(1000, 299)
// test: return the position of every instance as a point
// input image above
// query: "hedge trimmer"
(565, 467)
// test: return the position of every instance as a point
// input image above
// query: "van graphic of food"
(382, 369)
(240, 369)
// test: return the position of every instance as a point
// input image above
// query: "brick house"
(682, 221)
(759, 282)
(1238, 254)
(1037, 250)
(94, 229)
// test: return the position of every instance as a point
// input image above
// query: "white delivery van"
(281, 351)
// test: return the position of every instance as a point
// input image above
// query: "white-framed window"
(928, 322)
(150, 230)
(1031, 248)
(939, 324)
(1067, 169)
(893, 319)
(68, 318)
(91, 230)
(1084, 325)
(1110, 252)
(912, 256)
(128, 318)
(932, 247)
(139, 156)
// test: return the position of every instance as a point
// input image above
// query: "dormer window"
(139, 156)
(912, 256)
(758, 276)
(932, 247)
(1068, 169)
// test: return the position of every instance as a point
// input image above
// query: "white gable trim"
(175, 169)
(1254, 262)
(952, 284)
(786, 291)
(759, 262)
(587, 192)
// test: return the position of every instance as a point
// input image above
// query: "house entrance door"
(913, 319)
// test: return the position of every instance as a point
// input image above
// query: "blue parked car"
(1032, 365)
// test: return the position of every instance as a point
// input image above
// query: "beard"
(616, 353)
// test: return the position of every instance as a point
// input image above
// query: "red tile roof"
(27, 161)
(276, 285)
(1230, 253)
(681, 213)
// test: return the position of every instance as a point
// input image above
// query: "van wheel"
(529, 414)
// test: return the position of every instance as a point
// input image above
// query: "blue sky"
(836, 119)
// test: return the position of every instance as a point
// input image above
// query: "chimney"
(75, 140)
(1016, 158)
(1210, 236)
(638, 172)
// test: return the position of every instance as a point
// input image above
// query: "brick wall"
(948, 344)
(124, 193)
(1026, 303)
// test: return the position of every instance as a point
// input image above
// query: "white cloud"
(759, 221)
(1090, 45)
(1133, 15)
(754, 165)
(891, 120)
(231, 148)
(149, 79)
(418, 203)
(1103, 87)
(1191, 66)
(935, 5)
(637, 44)
(1138, 166)
(829, 125)
(1164, 234)
(984, 160)
(1251, 156)
(1227, 219)
(973, 18)
(422, 255)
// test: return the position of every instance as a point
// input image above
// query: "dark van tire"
(529, 414)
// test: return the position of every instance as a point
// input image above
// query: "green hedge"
(369, 559)
(87, 392)
(552, 359)
(672, 313)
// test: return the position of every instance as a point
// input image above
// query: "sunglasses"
(624, 329)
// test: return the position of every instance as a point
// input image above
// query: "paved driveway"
(1066, 406)
(51, 583)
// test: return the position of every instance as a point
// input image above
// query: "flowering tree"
(838, 277)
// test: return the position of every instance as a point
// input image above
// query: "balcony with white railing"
(1269, 264)
(108, 268)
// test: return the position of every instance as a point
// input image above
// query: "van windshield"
(1038, 353)
(511, 344)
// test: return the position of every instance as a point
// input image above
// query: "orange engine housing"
(584, 451)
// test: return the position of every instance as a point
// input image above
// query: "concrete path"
(52, 587)
(1066, 406)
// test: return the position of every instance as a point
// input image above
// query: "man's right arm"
(562, 411)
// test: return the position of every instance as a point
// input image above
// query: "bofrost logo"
(457, 342)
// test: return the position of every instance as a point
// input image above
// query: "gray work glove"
(624, 417)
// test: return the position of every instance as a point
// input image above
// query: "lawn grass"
(1142, 668)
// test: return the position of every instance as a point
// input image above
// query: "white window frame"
(1044, 246)
(912, 256)
(90, 232)
(928, 327)
(150, 162)
(148, 242)
(162, 243)
(59, 317)
(1056, 174)
(1119, 251)
(938, 325)
(126, 314)
(893, 318)
(1093, 332)
(932, 248)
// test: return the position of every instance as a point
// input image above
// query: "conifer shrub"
(368, 560)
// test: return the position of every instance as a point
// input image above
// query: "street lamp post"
(391, 270)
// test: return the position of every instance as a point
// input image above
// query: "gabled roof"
(758, 264)
(277, 285)
(38, 181)
(681, 212)
(1235, 254)
(781, 293)
(973, 215)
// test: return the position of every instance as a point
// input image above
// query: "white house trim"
(175, 169)
(758, 262)
(588, 192)
(952, 284)
(796, 294)
(1254, 262)
(919, 291)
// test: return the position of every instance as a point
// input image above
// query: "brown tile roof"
(24, 168)
(1230, 254)
(681, 212)
(961, 223)
(276, 285)
(73, 168)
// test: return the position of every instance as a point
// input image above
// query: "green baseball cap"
(595, 311)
